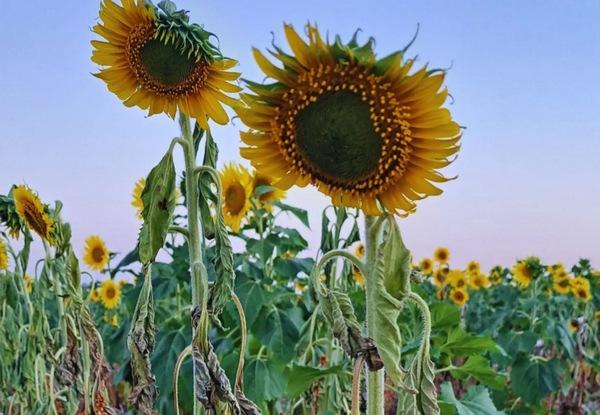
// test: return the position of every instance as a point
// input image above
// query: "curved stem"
(336, 253)
(239, 375)
(358, 365)
(426, 315)
(185, 353)
(180, 230)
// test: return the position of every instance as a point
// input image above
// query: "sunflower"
(573, 325)
(95, 295)
(561, 285)
(580, 287)
(113, 321)
(28, 279)
(439, 277)
(299, 288)
(136, 195)
(441, 255)
(269, 194)
(459, 296)
(363, 131)
(96, 254)
(109, 293)
(440, 294)
(3, 256)
(122, 283)
(426, 266)
(457, 279)
(597, 315)
(357, 276)
(236, 192)
(473, 267)
(33, 212)
(522, 274)
(496, 275)
(153, 58)
(478, 280)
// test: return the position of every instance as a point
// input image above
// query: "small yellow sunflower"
(299, 288)
(573, 325)
(459, 296)
(478, 280)
(496, 275)
(136, 197)
(33, 212)
(155, 59)
(426, 266)
(96, 254)
(112, 320)
(28, 282)
(236, 192)
(110, 294)
(561, 285)
(95, 295)
(473, 267)
(363, 131)
(457, 279)
(441, 255)
(269, 196)
(3, 256)
(357, 276)
(439, 277)
(359, 251)
(580, 287)
(522, 274)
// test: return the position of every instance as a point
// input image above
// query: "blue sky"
(524, 78)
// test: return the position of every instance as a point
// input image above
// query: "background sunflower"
(236, 192)
(96, 255)
(33, 212)
(109, 293)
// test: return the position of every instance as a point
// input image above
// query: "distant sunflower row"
(241, 192)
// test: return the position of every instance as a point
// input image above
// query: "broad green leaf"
(533, 380)
(477, 401)
(278, 332)
(158, 198)
(479, 367)
(461, 343)
(300, 378)
(252, 296)
(264, 380)
(444, 316)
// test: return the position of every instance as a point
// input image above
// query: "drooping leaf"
(396, 260)
(301, 214)
(158, 198)
(477, 401)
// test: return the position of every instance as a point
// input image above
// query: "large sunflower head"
(265, 192)
(109, 293)
(33, 212)
(154, 58)
(236, 193)
(96, 254)
(3, 256)
(370, 133)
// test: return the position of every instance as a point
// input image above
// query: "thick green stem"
(198, 271)
(62, 321)
(375, 380)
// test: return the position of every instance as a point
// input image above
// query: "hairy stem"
(375, 380)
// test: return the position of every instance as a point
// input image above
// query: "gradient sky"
(524, 77)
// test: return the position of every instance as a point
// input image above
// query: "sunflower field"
(223, 307)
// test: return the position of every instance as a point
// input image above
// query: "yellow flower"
(31, 210)
(28, 279)
(136, 195)
(573, 325)
(363, 131)
(236, 192)
(359, 250)
(580, 287)
(95, 295)
(96, 254)
(457, 279)
(299, 287)
(426, 266)
(440, 294)
(597, 315)
(459, 296)
(110, 294)
(496, 275)
(122, 283)
(3, 256)
(561, 285)
(478, 280)
(473, 267)
(323, 278)
(522, 274)
(440, 276)
(441, 255)
(357, 276)
(270, 196)
(159, 62)
(113, 321)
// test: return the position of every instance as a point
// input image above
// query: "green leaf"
(264, 380)
(533, 380)
(297, 212)
(300, 378)
(444, 316)
(158, 198)
(477, 401)
(461, 343)
(252, 296)
(479, 367)
(278, 332)
(421, 380)
(396, 259)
